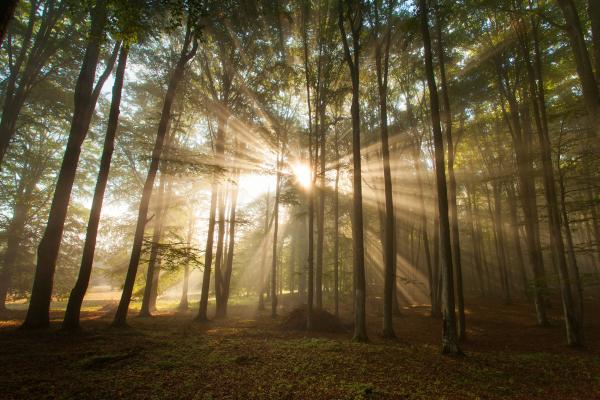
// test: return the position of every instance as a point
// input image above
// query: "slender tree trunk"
(449, 334)
(389, 253)
(570, 286)
(514, 222)
(352, 59)
(499, 224)
(71, 320)
(263, 266)
(146, 309)
(589, 84)
(203, 307)
(520, 138)
(14, 235)
(570, 245)
(7, 11)
(474, 238)
(231, 246)
(416, 153)
(336, 230)
(186, 55)
(275, 232)
(311, 192)
(594, 16)
(460, 303)
(320, 208)
(183, 303)
(41, 293)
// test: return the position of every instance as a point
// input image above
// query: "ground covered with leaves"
(251, 356)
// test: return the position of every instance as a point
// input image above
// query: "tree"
(39, 43)
(351, 12)
(188, 51)
(7, 10)
(382, 45)
(449, 334)
(85, 96)
(71, 320)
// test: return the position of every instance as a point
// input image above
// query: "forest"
(299, 199)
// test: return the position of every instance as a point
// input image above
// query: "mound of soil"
(323, 321)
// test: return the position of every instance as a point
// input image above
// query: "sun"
(302, 173)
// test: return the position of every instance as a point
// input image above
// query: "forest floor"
(250, 356)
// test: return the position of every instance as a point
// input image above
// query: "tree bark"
(589, 84)
(7, 11)
(475, 239)
(389, 253)
(203, 307)
(570, 289)
(183, 303)
(41, 292)
(499, 228)
(264, 253)
(355, 17)
(14, 234)
(449, 334)
(321, 206)
(222, 195)
(594, 15)
(460, 303)
(72, 313)
(222, 312)
(311, 195)
(186, 55)
(275, 232)
(514, 222)
(153, 262)
(336, 230)
(521, 138)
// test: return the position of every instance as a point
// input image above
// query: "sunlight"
(253, 185)
(302, 173)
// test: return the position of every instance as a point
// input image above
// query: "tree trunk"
(570, 286)
(14, 234)
(203, 307)
(186, 55)
(527, 196)
(594, 16)
(320, 208)
(389, 253)
(311, 204)
(475, 237)
(336, 230)
(183, 303)
(153, 262)
(358, 253)
(41, 292)
(222, 310)
(589, 84)
(7, 11)
(263, 266)
(449, 334)
(514, 222)
(221, 200)
(275, 231)
(71, 320)
(460, 303)
(499, 228)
